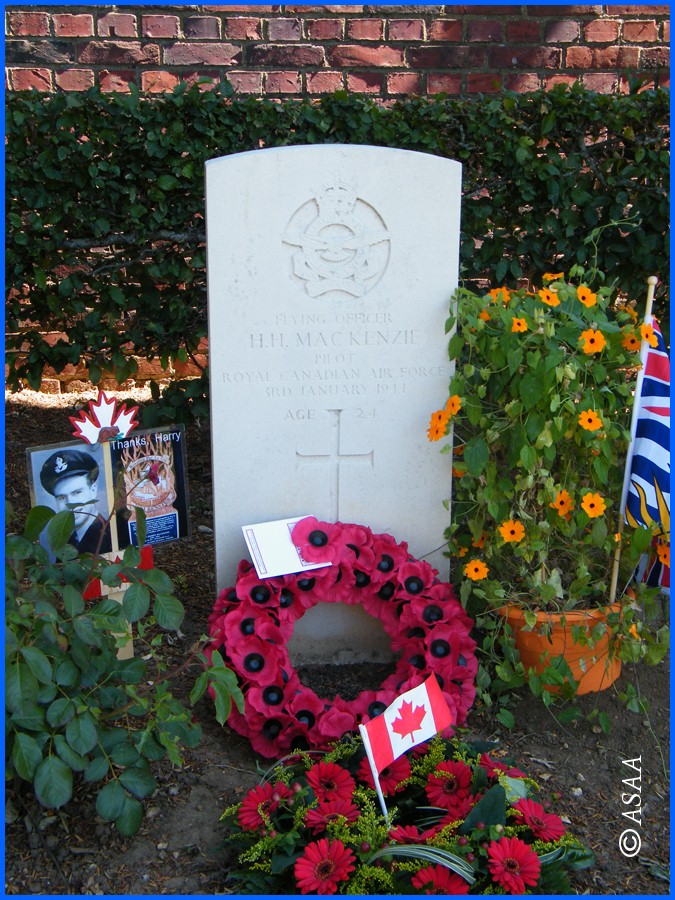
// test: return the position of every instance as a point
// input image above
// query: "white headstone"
(330, 270)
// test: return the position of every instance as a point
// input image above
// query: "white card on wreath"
(272, 549)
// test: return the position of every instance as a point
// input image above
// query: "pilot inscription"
(343, 243)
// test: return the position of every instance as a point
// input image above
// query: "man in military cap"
(70, 477)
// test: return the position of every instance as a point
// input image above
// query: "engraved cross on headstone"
(335, 458)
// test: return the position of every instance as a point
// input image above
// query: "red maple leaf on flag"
(408, 720)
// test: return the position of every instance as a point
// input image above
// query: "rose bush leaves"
(74, 711)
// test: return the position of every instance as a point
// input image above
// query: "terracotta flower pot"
(592, 666)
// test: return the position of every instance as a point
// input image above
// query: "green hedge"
(105, 200)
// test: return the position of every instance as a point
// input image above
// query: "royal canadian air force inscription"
(338, 244)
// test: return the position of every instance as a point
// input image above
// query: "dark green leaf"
(141, 525)
(36, 521)
(74, 760)
(82, 734)
(491, 809)
(38, 664)
(53, 782)
(98, 768)
(26, 755)
(59, 529)
(199, 688)
(72, 600)
(60, 712)
(21, 687)
(168, 611)
(138, 781)
(110, 801)
(476, 455)
(124, 754)
(223, 702)
(136, 602)
(129, 820)
(531, 390)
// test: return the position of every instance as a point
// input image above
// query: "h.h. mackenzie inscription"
(328, 295)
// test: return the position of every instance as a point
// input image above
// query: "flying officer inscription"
(343, 243)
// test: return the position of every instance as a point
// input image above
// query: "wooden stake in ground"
(651, 287)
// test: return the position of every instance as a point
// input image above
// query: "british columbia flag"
(647, 483)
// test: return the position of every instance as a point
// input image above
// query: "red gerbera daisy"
(513, 864)
(493, 768)
(449, 783)
(330, 781)
(329, 811)
(259, 803)
(439, 880)
(322, 866)
(458, 809)
(405, 834)
(390, 777)
(543, 825)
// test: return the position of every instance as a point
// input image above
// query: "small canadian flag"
(412, 718)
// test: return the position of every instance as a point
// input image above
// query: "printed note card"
(272, 550)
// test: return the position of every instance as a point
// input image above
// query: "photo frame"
(150, 472)
(76, 476)
(146, 469)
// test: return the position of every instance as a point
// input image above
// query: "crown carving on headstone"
(337, 197)
(106, 420)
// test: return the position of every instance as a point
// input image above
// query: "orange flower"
(631, 341)
(462, 551)
(632, 312)
(594, 341)
(476, 570)
(458, 449)
(648, 334)
(480, 543)
(500, 293)
(552, 276)
(563, 503)
(550, 298)
(586, 296)
(518, 324)
(453, 406)
(457, 473)
(663, 552)
(590, 420)
(438, 425)
(512, 531)
(593, 505)
(484, 315)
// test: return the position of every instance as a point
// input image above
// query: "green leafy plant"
(74, 709)
(106, 248)
(454, 808)
(539, 408)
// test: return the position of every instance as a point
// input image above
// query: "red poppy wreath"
(252, 622)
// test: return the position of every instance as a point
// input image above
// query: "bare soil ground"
(178, 849)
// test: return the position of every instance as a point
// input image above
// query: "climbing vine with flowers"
(539, 411)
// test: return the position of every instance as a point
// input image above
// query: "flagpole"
(651, 288)
(373, 768)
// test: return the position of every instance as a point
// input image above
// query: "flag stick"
(651, 287)
(373, 768)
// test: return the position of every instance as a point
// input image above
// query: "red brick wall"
(293, 51)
